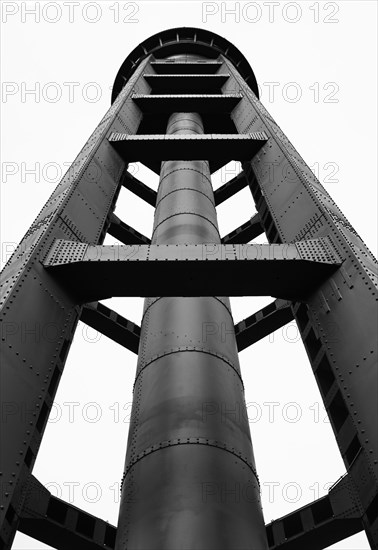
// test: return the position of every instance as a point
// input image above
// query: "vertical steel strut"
(190, 479)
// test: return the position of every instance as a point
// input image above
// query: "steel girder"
(38, 317)
(60, 524)
(246, 232)
(338, 321)
(321, 523)
(192, 269)
(186, 83)
(219, 149)
(111, 324)
(315, 526)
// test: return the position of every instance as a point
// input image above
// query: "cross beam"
(57, 523)
(219, 149)
(204, 67)
(139, 188)
(111, 324)
(184, 83)
(289, 271)
(326, 521)
(263, 322)
(125, 233)
(126, 333)
(199, 103)
(246, 232)
(230, 188)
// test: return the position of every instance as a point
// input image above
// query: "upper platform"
(184, 40)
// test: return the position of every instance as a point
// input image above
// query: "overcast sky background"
(325, 53)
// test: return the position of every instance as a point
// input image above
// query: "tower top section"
(184, 40)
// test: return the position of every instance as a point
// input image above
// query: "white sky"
(332, 64)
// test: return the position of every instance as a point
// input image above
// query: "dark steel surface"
(263, 322)
(218, 148)
(178, 453)
(61, 525)
(290, 271)
(124, 233)
(201, 103)
(246, 232)
(188, 67)
(140, 189)
(185, 83)
(185, 40)
(339, 322)
(230, 188)
(321, 523)
(112, 325)
(172, 451)
(38, 317)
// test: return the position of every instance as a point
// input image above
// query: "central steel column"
(190, 480)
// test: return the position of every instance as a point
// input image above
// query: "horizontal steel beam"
(326, 521)
(186, 83)
(289, 271)
(124, 233)
(196, 103)
(61, 525)
(218, 149)
(111, 324)
(188, 67)
(140, 189)
(263, 322)
(230, 188)
(246, 232)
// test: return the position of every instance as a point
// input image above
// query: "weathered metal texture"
(38, 317)
(338, 322)
(218, 148)
(326, 521)
(189, 446)
(289, 271)
(61, 525)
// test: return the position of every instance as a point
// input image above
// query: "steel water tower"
(185, 103)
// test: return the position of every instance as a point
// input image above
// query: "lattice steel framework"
(185, 102)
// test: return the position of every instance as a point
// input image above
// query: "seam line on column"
(161, 297)
(183, 213)
(188, 128)
(185, 189)
(186, 169)
(184, 349)
(186, 441)
(165, 161)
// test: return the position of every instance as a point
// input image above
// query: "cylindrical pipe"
(190, 480)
